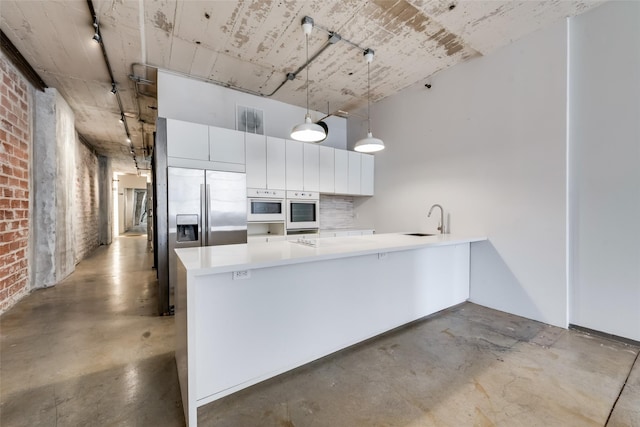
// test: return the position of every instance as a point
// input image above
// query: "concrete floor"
(91, 352)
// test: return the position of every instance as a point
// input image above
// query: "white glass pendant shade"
(369, 144)
(308, 131)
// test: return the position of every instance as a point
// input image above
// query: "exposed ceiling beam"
(21, 63)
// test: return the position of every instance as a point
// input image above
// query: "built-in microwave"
(303, 210)
(265, 205)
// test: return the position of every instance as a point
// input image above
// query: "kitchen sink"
(419, 234)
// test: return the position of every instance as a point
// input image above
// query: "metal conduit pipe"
(331, 33)
(333, 39)
(292, 76)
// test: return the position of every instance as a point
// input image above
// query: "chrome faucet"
(441, 226)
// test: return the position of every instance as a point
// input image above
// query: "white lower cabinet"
(345, 233)
(244, 330)
(265, 239)
(294, 237)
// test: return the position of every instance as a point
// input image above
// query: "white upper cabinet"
(194, 145)
(342, 171)
(226, 145)
(271, 163)
(327, 170)
(366, 174)
(187, 140)
(311, 167)
(276, 158)
(354, 172)
(295, 165)
(256, 152)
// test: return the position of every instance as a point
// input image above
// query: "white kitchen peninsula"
(248, 312)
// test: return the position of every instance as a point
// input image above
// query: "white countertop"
(252, 255)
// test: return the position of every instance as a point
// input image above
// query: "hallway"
(91, 352)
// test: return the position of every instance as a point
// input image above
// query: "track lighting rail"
(340, 38)
(333, 39)
(292, 76)
(97, 37)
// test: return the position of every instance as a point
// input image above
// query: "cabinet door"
(256, 151)
(327, 170)
(226, 145)
(354, 173)
(311, 167)
(366, 174)
(187, 140)
(341, 171)
(295, 162)
(276, 156)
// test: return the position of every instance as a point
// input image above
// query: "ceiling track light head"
(114, 89)
(307, 25)
(96, 35)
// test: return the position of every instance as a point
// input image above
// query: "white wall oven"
(303, 210)
(265, 205)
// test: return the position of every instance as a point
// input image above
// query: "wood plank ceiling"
(252, 45)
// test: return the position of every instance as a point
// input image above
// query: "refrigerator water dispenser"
(187, 228)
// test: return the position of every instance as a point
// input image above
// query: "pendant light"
(308, 131)
(369, 144)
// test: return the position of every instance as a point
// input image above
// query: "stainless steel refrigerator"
(206, 208)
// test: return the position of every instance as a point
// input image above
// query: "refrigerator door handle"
(203, 215)
(208, 219)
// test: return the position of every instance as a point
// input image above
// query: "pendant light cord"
(307, 37)
(369, 96)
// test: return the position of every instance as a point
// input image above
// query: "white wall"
(192, 100)
(487, 141)
(604, 140)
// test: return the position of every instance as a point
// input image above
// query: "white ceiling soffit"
(253, 45)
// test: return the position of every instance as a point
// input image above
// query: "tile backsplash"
(336, 212)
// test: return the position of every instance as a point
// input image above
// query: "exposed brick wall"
(15, 153)
(86, 201)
